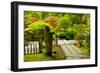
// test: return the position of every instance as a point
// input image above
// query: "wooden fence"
(31, 48)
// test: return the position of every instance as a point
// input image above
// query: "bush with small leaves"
(67, 35)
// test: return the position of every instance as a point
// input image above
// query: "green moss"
(43, 57)
(85, 50)
(59, 53)
(37, 57)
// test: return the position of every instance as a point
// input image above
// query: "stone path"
(71, 51)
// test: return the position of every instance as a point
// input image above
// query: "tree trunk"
(48, 41)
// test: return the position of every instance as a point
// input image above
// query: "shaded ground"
(37, 57)
(65, 50)
(56, 55)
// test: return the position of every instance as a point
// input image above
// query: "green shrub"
(27, 35)
(63, 24)
(67, 35)
(88, 40)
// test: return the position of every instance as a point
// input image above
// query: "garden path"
(70, 50)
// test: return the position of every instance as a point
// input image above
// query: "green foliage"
(29, 18)
(85, 50)
(76, 19)
(67, 35)
(27, 35)
(86, 19)
(52, 14)
(52, 20)
(48, 26)
(81, 30)
(63, 24)
(38, 25)
(37, 57)
(34, 31)
(88, 40)
(87, 44)
(37, 29)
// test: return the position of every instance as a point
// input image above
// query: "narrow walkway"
(71, 51)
